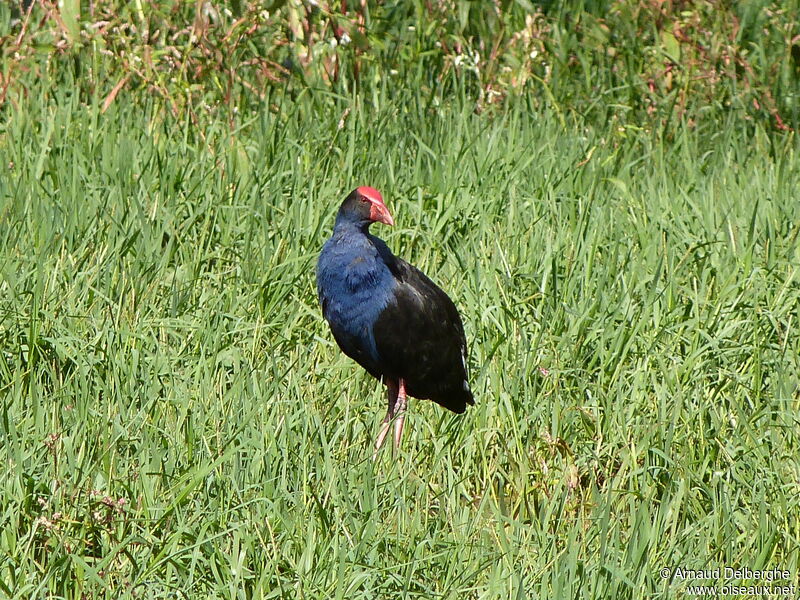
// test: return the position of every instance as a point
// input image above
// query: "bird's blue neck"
(347, 224)
(354, 284)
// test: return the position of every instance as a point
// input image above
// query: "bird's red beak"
(380, 214)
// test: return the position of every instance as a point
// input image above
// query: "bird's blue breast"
(354, 286)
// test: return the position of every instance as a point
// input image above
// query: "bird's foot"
(382, 435)
(397, 400)
(392, 390)
(400, 411)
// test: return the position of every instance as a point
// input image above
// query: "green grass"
(177, 422)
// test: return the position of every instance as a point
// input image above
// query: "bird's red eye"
(363, 200)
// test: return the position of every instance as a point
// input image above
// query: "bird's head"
(365, 206)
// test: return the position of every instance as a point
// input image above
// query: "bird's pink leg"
(392, 390)
(400, 411)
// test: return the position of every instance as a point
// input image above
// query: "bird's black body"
(389, 316)
(420, 338)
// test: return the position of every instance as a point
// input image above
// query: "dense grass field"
(178, 423)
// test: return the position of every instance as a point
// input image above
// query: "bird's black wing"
(420, 337)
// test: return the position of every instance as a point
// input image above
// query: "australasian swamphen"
(388, 316)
